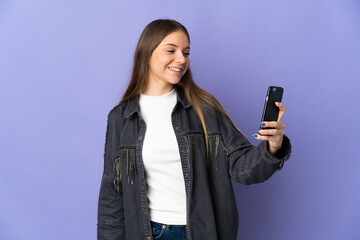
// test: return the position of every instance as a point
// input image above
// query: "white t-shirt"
(164, 175)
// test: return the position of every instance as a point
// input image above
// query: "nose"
(180, 58)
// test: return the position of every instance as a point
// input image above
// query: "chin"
(174, 81)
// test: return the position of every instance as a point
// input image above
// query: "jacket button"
(140, 137)
(148, 238)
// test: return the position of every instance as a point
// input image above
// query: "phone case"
(271, 111)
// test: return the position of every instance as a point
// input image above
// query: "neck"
(152, 90)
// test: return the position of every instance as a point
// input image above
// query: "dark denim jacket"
(212, 214)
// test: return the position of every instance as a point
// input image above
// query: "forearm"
(249, 164)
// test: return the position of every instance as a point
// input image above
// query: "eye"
(170, 51)
(186, 54)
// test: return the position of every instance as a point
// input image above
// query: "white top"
(164, 176)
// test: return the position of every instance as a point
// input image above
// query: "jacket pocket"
(124, 164)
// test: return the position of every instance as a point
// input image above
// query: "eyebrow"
(173, 45)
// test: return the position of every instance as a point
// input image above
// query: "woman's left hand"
(277, 134)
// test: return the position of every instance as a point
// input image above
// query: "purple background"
(65, 64)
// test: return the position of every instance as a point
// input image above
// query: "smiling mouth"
(175, 69)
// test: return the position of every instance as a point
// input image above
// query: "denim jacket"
(211, 210)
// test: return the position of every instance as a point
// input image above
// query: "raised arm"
(249, 164)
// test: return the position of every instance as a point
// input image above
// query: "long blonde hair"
(150, 38)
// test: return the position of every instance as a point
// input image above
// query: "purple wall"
(64, 64)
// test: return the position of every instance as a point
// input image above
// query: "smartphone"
(271, 111)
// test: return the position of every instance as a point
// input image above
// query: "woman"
(171, 150)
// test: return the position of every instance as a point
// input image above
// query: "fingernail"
(262, 124)
(254, 135)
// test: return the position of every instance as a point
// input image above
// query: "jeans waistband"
(167, 226)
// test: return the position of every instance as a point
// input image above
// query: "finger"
(271, 132)
(260, 137)
(271, 124)
(282, 110)
(275, 141)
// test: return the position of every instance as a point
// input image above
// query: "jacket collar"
(133, 104)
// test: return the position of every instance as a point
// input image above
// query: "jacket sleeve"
(110, 220)
(249, 164)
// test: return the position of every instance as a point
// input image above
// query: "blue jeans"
(168, 232)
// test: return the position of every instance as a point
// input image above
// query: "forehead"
(178, 38)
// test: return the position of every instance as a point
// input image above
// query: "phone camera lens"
(274, 89)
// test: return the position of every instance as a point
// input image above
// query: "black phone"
(271, 111)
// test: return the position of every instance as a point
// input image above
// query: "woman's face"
(169, 61)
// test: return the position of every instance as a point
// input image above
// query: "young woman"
(171, 151)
